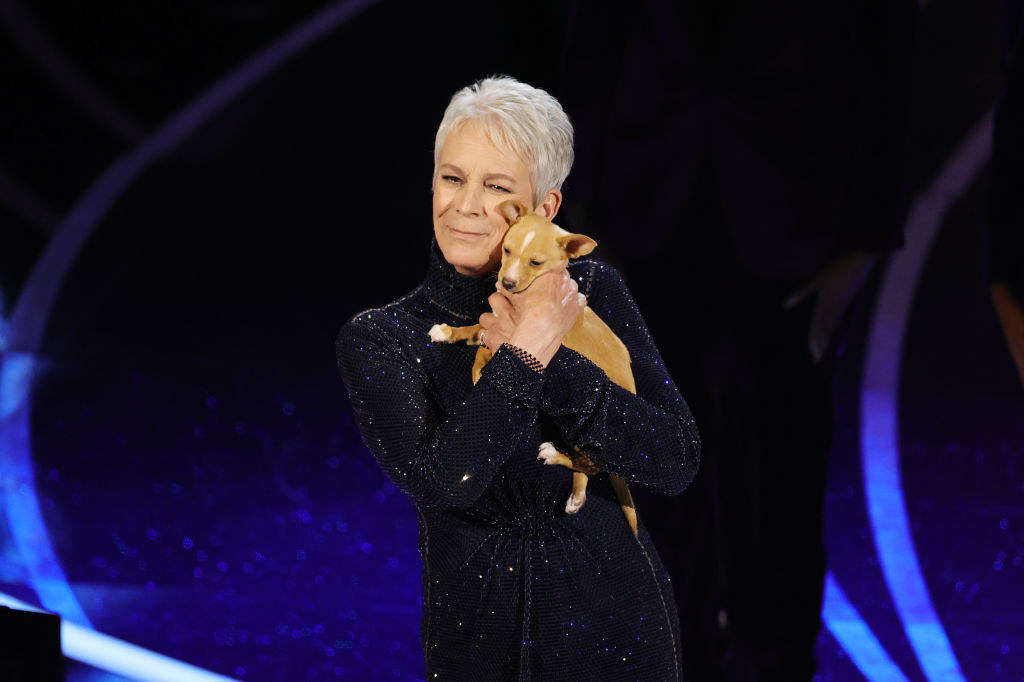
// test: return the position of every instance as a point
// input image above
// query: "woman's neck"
(462, 295)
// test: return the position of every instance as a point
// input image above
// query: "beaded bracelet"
(527, 357)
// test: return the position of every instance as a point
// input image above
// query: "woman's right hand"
(545, 312)
(497, 326)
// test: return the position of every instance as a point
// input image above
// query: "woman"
(513, 587)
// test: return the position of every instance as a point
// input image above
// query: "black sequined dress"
(513, 587)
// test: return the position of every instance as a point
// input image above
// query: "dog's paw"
(575, 501)
(440, 333)
(548, 454)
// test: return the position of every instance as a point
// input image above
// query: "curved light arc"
(855, 636)
(879, 432)
(19, 361)
(117, 656)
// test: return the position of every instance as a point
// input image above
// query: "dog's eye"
(506, 250)
(536, 263)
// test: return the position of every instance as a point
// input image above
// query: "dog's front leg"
(442, 333)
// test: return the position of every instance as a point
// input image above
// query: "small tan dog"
(533, 246)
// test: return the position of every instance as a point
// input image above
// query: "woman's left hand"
(545, 312)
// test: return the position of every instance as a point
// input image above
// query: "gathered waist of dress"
(475, 521)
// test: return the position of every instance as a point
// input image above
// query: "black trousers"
(744, 544)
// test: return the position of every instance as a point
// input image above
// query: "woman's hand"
(497, 326)
(1011, 317)
(540, 316)
(834, 288)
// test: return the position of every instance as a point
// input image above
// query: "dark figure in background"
(1006, 208)
(743, 159)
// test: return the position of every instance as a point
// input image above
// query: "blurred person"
(743, 160)
(1006, 206)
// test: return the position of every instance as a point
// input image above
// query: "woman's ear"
(549, 205)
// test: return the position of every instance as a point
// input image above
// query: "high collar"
(462, 295)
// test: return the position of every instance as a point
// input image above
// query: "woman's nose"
(469, 201)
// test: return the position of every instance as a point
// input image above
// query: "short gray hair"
(527, 119)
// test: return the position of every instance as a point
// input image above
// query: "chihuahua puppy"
(533, 246)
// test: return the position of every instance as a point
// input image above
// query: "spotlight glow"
(119, 657)
(854, 635)
(3, 325)
(18, 491)
(23, 336)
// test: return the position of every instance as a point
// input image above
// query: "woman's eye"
(499, 188)
(451, 178)
(536, 263)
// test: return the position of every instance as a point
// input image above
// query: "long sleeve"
(446, 460)
(649, 438)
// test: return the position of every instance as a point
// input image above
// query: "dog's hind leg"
(549, 454)
(579, 493)
(625, 501)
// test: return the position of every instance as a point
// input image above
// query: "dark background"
(195, 460)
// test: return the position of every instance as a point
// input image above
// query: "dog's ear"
(513, 210)
(576, 245)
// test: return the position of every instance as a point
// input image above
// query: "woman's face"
(473, 177)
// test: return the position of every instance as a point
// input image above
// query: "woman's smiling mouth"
(467, 233)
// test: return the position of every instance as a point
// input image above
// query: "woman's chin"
(472, 269)
(466, 260)
(472, 266)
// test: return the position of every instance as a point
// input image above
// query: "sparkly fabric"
(513, 587)
(527, 357)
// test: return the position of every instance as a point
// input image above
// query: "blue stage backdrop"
(187, 217)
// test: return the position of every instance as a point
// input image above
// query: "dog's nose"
(509, 284)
